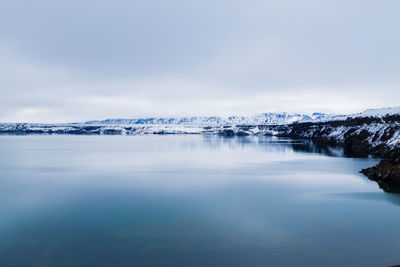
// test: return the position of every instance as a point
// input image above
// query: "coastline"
(359, 137)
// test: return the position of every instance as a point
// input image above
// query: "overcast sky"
(74, 60)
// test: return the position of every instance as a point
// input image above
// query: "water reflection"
(309, 146)
(266, 144)
(189, 200)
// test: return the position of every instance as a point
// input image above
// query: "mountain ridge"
(260, 119)
(268, 118)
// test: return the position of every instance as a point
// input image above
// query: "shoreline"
(359, 137)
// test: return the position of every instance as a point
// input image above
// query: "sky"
(77, 60)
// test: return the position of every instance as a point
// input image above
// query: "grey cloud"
(195, 57)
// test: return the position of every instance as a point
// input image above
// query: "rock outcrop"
(386, 173)
(360, 137)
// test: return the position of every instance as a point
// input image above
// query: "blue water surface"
(190, 200)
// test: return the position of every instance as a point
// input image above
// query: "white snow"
(262, 124)
(377, 112)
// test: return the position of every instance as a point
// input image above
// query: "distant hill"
(260, 119)
(270, 118)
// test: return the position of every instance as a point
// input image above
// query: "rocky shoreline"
(386, 173)
(360, 137)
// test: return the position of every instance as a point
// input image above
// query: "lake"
(190, 200)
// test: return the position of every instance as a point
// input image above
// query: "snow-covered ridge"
(270, 118)
(83, 129)
(374, 126)
(260, 119)
(375, 134)
(377, 112)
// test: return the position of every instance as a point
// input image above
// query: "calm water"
(189, 200)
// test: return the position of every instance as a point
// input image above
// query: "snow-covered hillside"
(377, 112)
(372, 132)
(260, 119)
(378, 127)
(270, 118)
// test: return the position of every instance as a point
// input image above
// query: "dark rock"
(91, 128)
(356, 146)
(245, 127)
(227, 132)
(112, 131)
(160, 132)
(387, 134)
(387, 174)
(392, 118)
(242, 133)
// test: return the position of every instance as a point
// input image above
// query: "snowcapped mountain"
(281, 124)
(381, 112)
(260, 119)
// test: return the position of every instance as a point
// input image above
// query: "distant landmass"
(373, 132)
(270, 118)
(260, 119)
